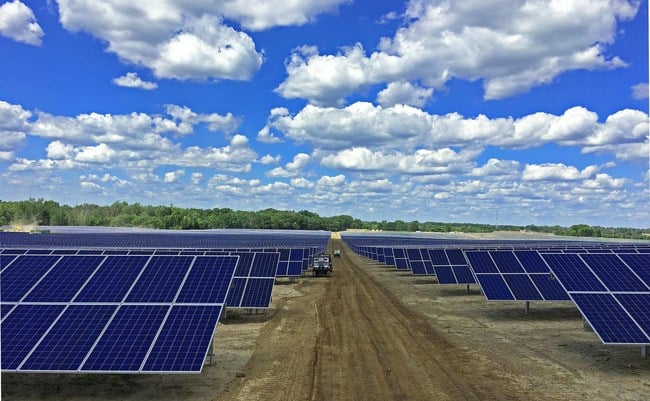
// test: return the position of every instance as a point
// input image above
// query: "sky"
(499, 112)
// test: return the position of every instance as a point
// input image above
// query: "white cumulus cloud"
(17, 21)
(132, 80)
(404, 93)
(511, 46)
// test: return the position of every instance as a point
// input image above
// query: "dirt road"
(357, 341)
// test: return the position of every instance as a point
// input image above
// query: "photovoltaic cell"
(481, 262)
(640, 264)
(506, 262)
(614, 273)
(572, 272)
(609, 319)
(20, 277)
(127, 339)
(65, 346)
(161, 279)
(494, 287)
(22, 329)
(266, 264)
(208, 281)
(5, 260)
(120, 271)
(184, 340)
(257, 293)
(236, 291)
(637, 306)
(549, 287)
(65, 279)
(522, 287)
(531, 261)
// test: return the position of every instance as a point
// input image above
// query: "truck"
(322, 265)
(337, 253)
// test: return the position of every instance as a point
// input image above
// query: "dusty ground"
(369, 332)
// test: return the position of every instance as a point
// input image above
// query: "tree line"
(122, 214)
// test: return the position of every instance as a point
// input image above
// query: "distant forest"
(122, 214)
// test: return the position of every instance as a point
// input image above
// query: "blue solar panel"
(266, 265)
(481, 262)
(65, 346)
(637, 306)
(65, 279)
(244, 264)
(209, 280)
(572, 272)
(418, 268)
(20, 277)
(120, 271)
(532, 262)
(619, 311)
(463, 275)
(161, 279)
(5, 260)
(494, 287)
(438, 257)
(455, 257)
(22, 329)
(522, 287)
(127, 339)
(506, 262)
(257, 293)
(549, 287)
(184, 340)
(236, 291)
(445, 275)
(640, 264)
(609, 319)
(614, 273)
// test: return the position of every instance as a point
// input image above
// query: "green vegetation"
(122, 214)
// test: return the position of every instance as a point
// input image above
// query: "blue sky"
(509, 112)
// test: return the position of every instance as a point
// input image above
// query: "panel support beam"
(645, 350)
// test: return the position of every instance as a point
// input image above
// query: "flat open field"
(369, 332)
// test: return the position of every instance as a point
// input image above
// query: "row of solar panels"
(611, 289)
(111, 313)
(164, 239)
(128, 312)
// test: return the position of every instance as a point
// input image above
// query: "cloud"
(14, 123)
(510, 46)
(132, 80)
(268, 159)
(174, 42)
(7, 156)
(423, 161)
(292, 168)
(404, 93)
(301, 182)
(640, 91)
(174, 176)
(331, 181)
(272, 13)
(17, 22)
(556, 171)
(265, 136)
(363, 124)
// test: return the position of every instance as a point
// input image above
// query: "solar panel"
(97, 313)
(610, 291)
(450, 267)
(252, 285)
(514, 276)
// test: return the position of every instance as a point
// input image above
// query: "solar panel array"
(608, 281)
(612, 292)
(110, 313)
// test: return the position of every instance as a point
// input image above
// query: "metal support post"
(527, 307)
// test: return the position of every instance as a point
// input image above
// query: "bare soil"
(369, 332)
